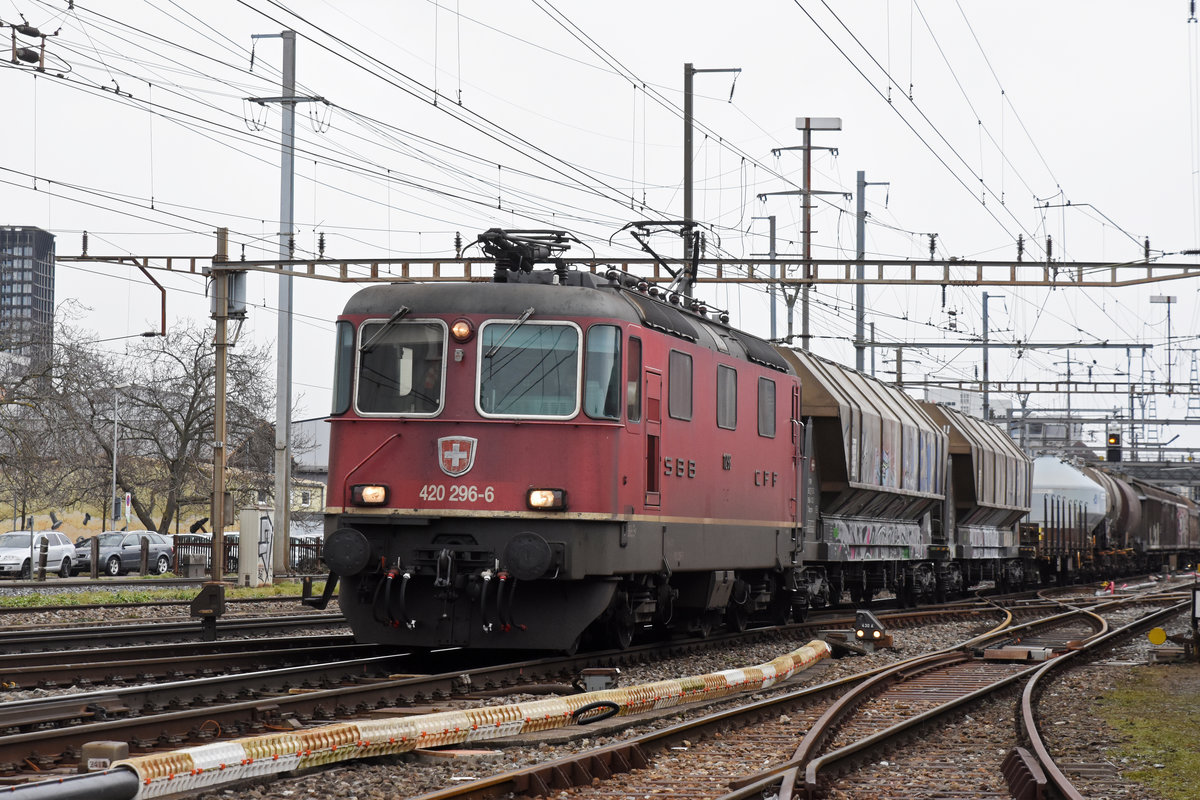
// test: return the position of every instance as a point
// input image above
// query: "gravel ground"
(412, 774)
(987, 731)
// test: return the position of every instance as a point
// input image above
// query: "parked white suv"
(14, 552)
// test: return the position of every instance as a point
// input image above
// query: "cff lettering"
(764, 478)
(678, 467)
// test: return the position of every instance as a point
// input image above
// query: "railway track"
(47, 734)
(76, 636)
(147, 663)
(195, 711)
(50, 734)
(59, 609)
(808, 742)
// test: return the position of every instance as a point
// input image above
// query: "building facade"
(27, 294)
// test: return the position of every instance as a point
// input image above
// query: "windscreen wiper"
(392, 320)
(511, 330)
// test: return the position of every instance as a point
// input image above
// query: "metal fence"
(192, 557)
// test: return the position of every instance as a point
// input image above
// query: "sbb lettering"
(679, 467)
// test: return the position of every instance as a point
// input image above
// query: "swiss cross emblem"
(456, 454)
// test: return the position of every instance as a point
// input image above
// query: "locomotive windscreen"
(532, 371)
(401, 372)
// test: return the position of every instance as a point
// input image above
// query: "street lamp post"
(116, 508)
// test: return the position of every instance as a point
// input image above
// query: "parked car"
(122, 551)
(14, 552)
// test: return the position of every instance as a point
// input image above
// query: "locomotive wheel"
(622, 624)
(780, 609)
(737, 613)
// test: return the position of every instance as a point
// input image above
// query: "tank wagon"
(1091, 522)
(560, 456)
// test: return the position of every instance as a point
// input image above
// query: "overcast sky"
(985, 120)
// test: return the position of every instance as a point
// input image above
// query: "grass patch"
(1157, 713)
(149, 594)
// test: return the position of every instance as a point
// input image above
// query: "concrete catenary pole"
(221, 316)
(860, 272)
(688, 72)
(283, 374)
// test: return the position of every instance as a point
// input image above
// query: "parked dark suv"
(122, 551)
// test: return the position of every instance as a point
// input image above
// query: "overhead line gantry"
(823, 272)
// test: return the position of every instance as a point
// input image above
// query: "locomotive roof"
(491, 298)
(584, 294)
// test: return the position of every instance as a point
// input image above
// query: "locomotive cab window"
(401, 368)
(679, 386)
(343, 368)
(766, 407)
(602, 373)
(726, 397)
(528, 369)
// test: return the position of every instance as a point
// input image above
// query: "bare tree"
(40, 467)
(165, 426)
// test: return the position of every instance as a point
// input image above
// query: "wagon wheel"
(707, 621)
(780, 609)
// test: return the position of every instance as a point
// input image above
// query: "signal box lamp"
(1114, 447)
(869, 632)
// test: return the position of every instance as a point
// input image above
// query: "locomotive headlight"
(461, 330)
(369, 494)
(546, 499)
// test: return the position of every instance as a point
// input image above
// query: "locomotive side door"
(653, 438)
(799, 462)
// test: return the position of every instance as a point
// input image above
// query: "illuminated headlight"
(462, 331)
(369, 494)
(547, 499)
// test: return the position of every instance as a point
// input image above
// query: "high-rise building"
(27, 294)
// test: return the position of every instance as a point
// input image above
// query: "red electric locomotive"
(515, 463)
(559, 456)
